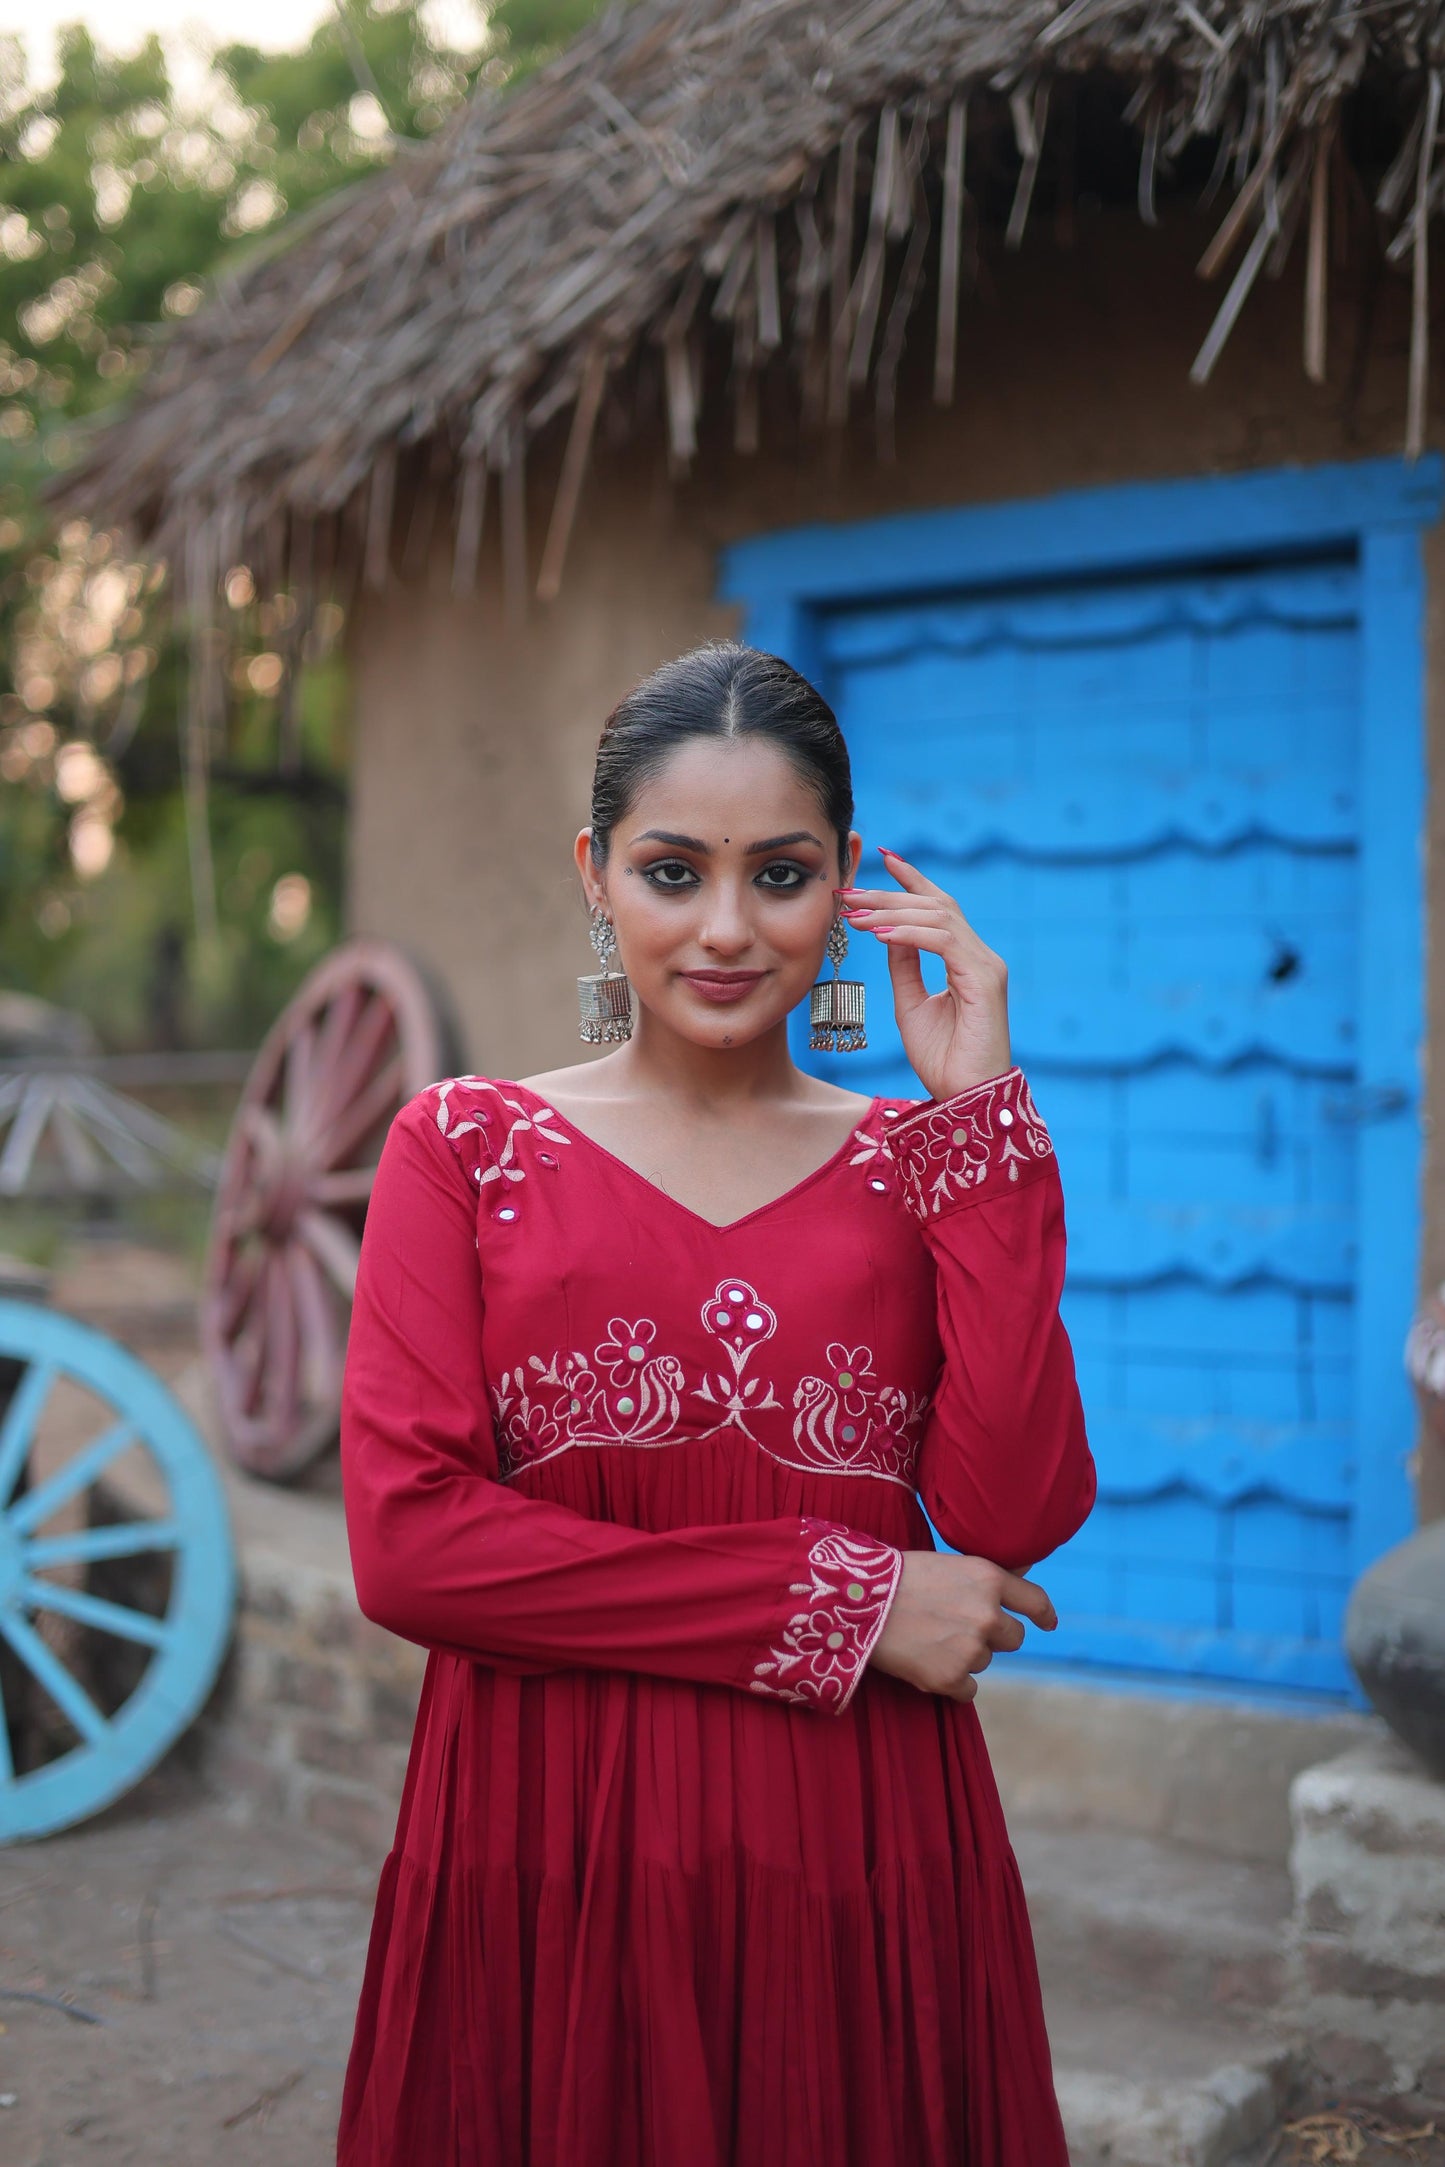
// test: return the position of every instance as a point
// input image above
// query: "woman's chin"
(716, 1024)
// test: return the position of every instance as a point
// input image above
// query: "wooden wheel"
(361, 1036)
(117, 1579)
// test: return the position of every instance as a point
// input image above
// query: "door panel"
(1145, 794)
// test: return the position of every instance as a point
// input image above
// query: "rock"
(1395, 1640)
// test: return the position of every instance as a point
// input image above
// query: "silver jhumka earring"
(836, 1008)
(605, 996)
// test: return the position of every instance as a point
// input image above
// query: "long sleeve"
(446, 1554)
(1004, 1467)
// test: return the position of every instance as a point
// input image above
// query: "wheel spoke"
(280, 1389)
(39, 1504)
(315, 1313)
(298, 1083)
(263, 1133)
(126, 1539)
(351, 1128)
(18, 1427)
(7, 1764)
(335, 1031)
(26, 1130)
(333, 1245)
(117, 1618)
(46, 1668)
(248, 1351)
(237, 1293)
(354, 1062)
(351, 1185)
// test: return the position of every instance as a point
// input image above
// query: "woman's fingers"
(1029, 1599)
(908, 876)
(905, 969)
(1006, 1634)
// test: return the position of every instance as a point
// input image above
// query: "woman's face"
(719, 883)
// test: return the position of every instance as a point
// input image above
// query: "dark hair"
(722, 690)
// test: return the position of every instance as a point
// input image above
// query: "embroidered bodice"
(775, 1392)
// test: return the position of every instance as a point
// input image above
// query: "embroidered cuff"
(965, 1149)
(824, 1647)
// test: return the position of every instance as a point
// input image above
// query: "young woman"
(700, 1861)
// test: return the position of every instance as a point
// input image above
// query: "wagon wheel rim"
(360, 1037)
(186, 1639)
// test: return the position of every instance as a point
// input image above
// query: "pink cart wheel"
(362, 1035)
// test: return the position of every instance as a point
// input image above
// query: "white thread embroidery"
(825, 1645)
(945, 1150)
(847, 1423)
(638, 1405)
(626, 1392)
(741, 1321)
(496, 1160)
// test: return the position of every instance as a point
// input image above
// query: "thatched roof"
(794, 171)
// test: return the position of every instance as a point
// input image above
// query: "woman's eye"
(661, 874)
(784, 874)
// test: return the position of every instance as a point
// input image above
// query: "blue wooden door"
(1146, 793)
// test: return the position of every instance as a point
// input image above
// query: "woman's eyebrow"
(778, 842)
(754, 850)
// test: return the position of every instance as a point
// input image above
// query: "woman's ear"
(591, 883)
(854, 854)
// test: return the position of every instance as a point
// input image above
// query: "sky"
(185, 25)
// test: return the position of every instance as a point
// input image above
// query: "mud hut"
(1054, 382)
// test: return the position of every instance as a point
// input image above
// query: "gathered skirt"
(628, 1922)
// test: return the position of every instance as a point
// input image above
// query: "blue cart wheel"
(151, 1668)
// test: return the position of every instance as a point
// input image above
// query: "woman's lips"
(733, 986)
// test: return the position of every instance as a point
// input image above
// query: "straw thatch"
(792, 171)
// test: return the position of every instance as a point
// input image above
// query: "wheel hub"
(282, 1199)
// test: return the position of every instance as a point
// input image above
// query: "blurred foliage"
(119, 198)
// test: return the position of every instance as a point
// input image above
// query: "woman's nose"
(726, 927)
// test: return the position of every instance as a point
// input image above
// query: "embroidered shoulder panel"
(824, 1647)
(491, 1129)
(630, 1388)
(955, 1151)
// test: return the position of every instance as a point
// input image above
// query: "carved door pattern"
(1146, 793)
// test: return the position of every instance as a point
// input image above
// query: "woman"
(700, 1861)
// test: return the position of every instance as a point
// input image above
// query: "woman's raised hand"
(955, 1038)
(947, 1617)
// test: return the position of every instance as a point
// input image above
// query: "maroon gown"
(677, 1880)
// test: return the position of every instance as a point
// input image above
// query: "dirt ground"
(1355, 2130)
(221, 1962)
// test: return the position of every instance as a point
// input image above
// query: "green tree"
(116, 204)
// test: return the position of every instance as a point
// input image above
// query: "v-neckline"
(714, 1226)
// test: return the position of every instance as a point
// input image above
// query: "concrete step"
(1139, 1918)
(1162, 1970)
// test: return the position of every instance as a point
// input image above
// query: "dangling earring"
(836, 1009)
(605, 997)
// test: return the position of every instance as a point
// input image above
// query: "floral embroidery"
(870, 1147)
(542, 1408)
(825, 1645)
(954, 1146)
(488, 1156)
(847, 1423)
(626, 1391)
(736, 1316)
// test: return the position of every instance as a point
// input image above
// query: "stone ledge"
(1192, 1770)
(1366, 1957)
(1124, 2122)
(312, 1715)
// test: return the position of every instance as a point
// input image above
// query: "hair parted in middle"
(720, 690)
